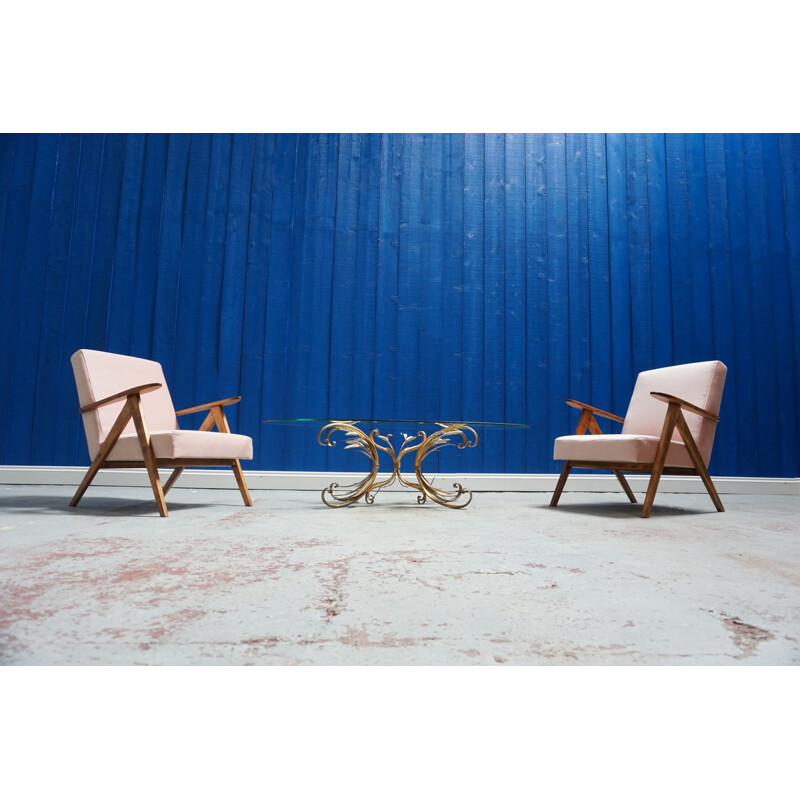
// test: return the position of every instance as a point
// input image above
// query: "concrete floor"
(289, 581)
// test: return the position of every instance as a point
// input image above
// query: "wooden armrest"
(206, 406)
(668, 398)
(584, 407)
(143, 389)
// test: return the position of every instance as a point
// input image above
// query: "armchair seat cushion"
(618, 448)
(180, 444)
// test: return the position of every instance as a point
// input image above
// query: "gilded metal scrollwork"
(373, 443)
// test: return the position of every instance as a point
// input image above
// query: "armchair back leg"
(102, 453)
(698, 462)
(625, 485)
(560, 485)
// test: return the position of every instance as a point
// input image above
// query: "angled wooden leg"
(625, 486)
(239, 475)
(148, 454)
(697, 460)
(560, 485)
(661, 458)
(217, 417)
(102, 453)
(172, 478)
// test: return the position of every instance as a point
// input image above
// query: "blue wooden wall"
(437, 275)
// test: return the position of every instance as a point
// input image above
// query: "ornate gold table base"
(373, 443)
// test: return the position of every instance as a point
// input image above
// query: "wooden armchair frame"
(674, 418)
(133, 410)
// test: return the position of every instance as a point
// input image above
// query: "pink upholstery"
(700, 384)
(99, 375)
(621, 448)
(185, 444)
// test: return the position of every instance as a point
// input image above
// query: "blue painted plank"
(450, 459)
(623, 376)
(143, 323)
(120, 309)
(473, 308)
(387, 279)
(742, 381)
(540, 445)
(639, 258)
(50, 393)
(170, 254)
(790, 172)
(703, 345)
(727, 436)
(761, 280)
(69, 446)
(8, 146)
(364, 349)
(275, 403)
(12, 263)
(784, 387)
(206, 352)
(347, 296)
(514, 301)
(434, 314)
(189, 318)
(259, 245)
(558, 290)
(22, 386)
(660, 277)
(680, 268)
(232, 295)
(103, 250)
(599, 276)
(578, 267)
(410, 267)
(494, 299)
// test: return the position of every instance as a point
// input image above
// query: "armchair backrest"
(700, 383)
(99, 375)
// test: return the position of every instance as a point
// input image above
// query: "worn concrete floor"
(507, 581)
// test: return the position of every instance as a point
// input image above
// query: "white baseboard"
(316, 481)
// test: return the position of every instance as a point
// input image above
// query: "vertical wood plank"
(680, 268)
(494, 297)
(472, 379)
(761, 272)
(183, 381)
(539, 446)
(599, 277)
(259, 245)
(639, 259)
(787, 359)
(661, 279)
(279, 293)
(623, 376)
(50, 394)
(17, 393)
(790, 179)
(515, 321)
(387, 280)
(450, 390)
(743, 329)
(726, 441)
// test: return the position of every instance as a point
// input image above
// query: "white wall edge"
(316, 481)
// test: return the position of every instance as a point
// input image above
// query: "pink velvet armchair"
(657, 438)
(129, 421)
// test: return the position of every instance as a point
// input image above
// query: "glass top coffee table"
(365, 437)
